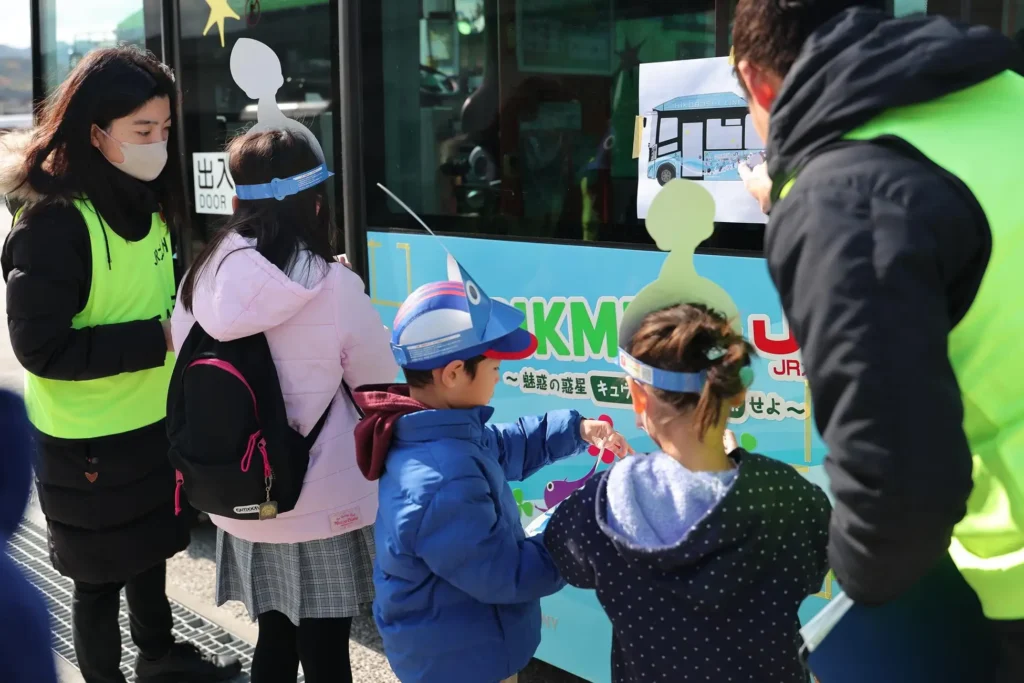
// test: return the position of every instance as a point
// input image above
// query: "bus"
(508, 126)
(701, 137)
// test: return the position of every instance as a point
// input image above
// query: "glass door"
(303, 35)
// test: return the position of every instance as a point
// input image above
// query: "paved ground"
(191, 576)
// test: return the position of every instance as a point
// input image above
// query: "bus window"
(725, 135)
(668, 129)
(303, 35)
(71, 28)
(515, 118)
(1006, 16)
(16, 66)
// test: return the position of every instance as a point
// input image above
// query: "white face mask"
(144, 162)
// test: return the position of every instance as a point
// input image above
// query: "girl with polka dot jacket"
(701, 557)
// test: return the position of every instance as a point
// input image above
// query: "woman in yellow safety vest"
(90, 286)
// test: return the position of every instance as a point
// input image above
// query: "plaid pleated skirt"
(326, 579)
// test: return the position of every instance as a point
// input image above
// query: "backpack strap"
(315, 433)
(352, 398)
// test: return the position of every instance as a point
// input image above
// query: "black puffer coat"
(108, 501)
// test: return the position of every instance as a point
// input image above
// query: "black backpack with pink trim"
(235, 453)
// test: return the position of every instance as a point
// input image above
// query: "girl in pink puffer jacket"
(306, 573)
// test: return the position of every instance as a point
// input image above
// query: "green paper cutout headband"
(681, 216)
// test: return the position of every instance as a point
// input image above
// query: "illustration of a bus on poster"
(693, 123)
(701, 137)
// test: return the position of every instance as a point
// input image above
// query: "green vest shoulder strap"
(975, 134)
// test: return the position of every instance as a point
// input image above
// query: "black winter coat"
(108, 501)
(877, 254)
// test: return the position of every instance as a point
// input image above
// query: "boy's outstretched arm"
(462, 541)
(530, 443)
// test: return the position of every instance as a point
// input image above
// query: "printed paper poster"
(697, 126)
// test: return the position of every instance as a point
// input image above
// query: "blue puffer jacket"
(458, 584)
(25, 640)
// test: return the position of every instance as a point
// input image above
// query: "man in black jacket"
(882, 227)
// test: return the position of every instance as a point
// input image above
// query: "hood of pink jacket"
(241, 293)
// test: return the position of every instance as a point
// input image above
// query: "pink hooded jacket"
(321, 327)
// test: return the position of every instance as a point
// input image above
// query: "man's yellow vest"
(975, 135)
(137, 284)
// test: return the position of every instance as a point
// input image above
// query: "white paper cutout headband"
(256, 69)
(681, 216)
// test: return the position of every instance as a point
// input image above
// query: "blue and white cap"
(454, 320)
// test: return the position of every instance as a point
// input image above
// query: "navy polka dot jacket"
(721, 604)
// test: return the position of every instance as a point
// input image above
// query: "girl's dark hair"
(680, 339)
(107, 84)
(424, 378)
(282, 228)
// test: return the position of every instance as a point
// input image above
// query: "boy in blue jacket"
(458, 583)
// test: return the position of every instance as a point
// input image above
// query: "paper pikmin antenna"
(681, 216)
(480, 304)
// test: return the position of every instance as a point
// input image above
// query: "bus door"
(693, 150)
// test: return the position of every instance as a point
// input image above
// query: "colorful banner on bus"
(573, 297)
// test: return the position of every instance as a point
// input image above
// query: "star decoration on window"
(219, 12)
(629, 57)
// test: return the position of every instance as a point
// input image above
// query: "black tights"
(320, 644)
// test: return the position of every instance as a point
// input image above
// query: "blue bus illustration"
(701, 137)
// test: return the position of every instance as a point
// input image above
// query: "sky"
(75, 17)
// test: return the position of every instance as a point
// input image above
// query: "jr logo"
(160, 253)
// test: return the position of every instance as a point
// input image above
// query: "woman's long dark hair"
(107, 84)
(280, 228)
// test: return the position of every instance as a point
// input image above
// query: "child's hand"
(603, 435)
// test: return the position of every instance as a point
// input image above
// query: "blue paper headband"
(666, 380)
(279, 188)
(669, 380)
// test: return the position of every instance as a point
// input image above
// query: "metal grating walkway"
(28, 548)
